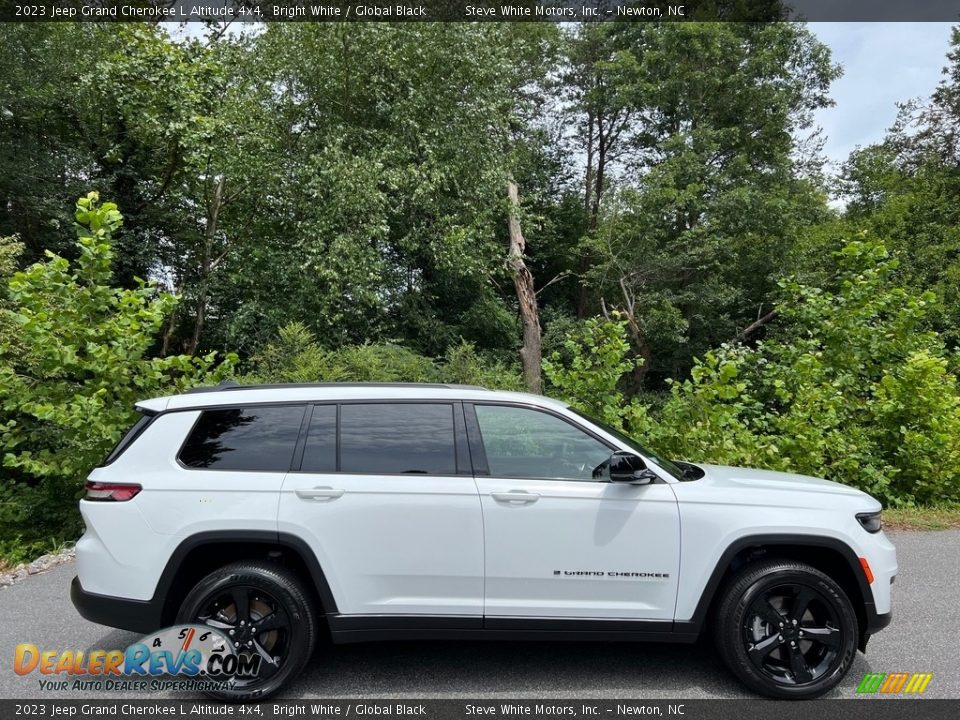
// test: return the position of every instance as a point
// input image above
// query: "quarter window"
(523, 443)
(258, 439)
(399, 438)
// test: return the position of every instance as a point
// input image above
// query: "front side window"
(260, 439)
(524, 443)
(398, 438)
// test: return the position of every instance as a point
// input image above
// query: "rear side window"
(401, 438)
(320, 453)
(260, 439)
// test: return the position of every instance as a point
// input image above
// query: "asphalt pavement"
(922, 638)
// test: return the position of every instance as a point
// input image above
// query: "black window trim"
(462, 452)
(130, 436)
(237, 406)
(479, 452)
(470, 454)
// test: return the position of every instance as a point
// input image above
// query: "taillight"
(111, 492)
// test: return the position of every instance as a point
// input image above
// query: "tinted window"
(258, 438)
(320, 454)
(127, 440)
(524, 443)
(398, 438)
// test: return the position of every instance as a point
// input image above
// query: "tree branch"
(753, 327)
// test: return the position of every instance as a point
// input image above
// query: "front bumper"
(875, 623)
(141, 616)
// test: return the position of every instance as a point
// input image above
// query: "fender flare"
(707, 595)
(280, 540)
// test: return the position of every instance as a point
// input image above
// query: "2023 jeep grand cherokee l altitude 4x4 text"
(377, 512)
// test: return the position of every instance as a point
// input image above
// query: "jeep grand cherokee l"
(380, 512)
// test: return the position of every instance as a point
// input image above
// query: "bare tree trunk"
(599, 176)
(638, 338)
(213, 218)
(588, 178)
(584, 263)
(531, 352)
(168, 333)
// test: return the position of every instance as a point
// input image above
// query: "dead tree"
(531, 352)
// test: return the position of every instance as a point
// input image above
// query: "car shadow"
(492, 669)
(478, 669)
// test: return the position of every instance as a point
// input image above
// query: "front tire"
(786, 630)
(246, 598)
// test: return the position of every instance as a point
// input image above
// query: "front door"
(561, 540)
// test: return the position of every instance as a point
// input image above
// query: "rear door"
(384, 495)
(561, 540)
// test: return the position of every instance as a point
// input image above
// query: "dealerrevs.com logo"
(894, 683)
(195, 656)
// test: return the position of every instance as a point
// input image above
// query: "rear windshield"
(127, 440)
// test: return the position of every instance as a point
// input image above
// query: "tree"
(77, 360)
(712, 193)
(531, 351)
(851, 385)
(49, 133)
(906, 189)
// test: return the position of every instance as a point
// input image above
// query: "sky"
(883, 63)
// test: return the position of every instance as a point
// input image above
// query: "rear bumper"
(141, 616)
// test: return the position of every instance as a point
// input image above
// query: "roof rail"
(229, 385)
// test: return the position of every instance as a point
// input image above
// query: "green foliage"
(852, 387)
(296, 356)
(328, 201)
(588, 371)
(717, 189)
(70, 371)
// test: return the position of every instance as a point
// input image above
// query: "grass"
(922, 518)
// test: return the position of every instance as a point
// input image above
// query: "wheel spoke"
(768, 613)
(758, 652)
(799, 667)
(827, 636)
(210, 622)
(268, 666)
(241, 603)
(274, 621)
(800, 603)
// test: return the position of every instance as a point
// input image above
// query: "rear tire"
(240, 598)
(786, 630)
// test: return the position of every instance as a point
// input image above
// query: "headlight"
(871, 522)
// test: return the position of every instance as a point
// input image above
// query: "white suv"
(379, 512)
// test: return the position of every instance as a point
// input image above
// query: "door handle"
(516, 496)
(319, 493)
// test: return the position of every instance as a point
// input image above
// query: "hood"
(746, 478)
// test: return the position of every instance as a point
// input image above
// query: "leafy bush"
(73, 360)
(296, 356)
(851, 387)
(588, 369)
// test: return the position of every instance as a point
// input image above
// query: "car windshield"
(668, 465)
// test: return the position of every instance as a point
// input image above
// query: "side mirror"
(626, 467)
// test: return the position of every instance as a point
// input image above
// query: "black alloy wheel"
(264, 612)
(786, 629)
(792, 634)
